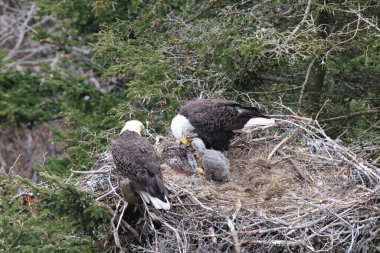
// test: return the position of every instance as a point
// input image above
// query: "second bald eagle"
(136, 159)
(214, 121)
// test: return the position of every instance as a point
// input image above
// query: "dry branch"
(283, 142)
(114, 213)
(295, 30)
(351, 115)
(305, 83)
(9, 174)
(234, 235)
(296, 168)
(334, 211)
(22, 32)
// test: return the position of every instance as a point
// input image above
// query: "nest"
(292, 189)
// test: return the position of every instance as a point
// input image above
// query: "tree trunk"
(310, 100)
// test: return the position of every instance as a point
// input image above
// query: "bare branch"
(23, 31)
(300, 100)
(296, 168)
(295, 30)
(234, 235)
(351, 115)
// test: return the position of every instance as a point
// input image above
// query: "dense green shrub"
(58, 218)
(162, 53)
(255, 49)
(61, 219)
(27, 99)
(24, 99)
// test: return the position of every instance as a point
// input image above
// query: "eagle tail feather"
(144, 196)
(249, 111)
(156, 202)
(260, 121)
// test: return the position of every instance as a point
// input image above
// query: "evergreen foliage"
(162, 53)
(62, 219)
(24, 100)
(78, 18)
(223, 48)
(27, 99)
(56, 218)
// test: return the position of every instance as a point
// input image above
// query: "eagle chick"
(215, 164)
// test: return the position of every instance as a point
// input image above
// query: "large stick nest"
(292, 188)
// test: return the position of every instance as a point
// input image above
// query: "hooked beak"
(200, 170)
(144, 131)
(184, 138)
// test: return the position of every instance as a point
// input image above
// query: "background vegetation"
(116, 60)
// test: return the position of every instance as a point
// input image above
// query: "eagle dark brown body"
(215, 119)
(136, 159)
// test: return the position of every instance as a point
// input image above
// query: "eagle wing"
(211, 114)
(136, 159)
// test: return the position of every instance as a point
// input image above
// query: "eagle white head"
(133, 125)
(181, 127)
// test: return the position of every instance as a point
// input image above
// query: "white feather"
(144, 196)
(133, 125)
(156, 202)
(259, 122)
(159, 204)
(179, 124)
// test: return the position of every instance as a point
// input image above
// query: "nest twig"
(312, 195)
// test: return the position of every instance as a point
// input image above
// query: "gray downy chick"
(215, 164)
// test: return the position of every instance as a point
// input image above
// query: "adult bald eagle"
(136, 159)
(214, 121)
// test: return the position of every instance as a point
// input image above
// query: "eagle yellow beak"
(200, 170)
(184, 138)
(142, 128)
